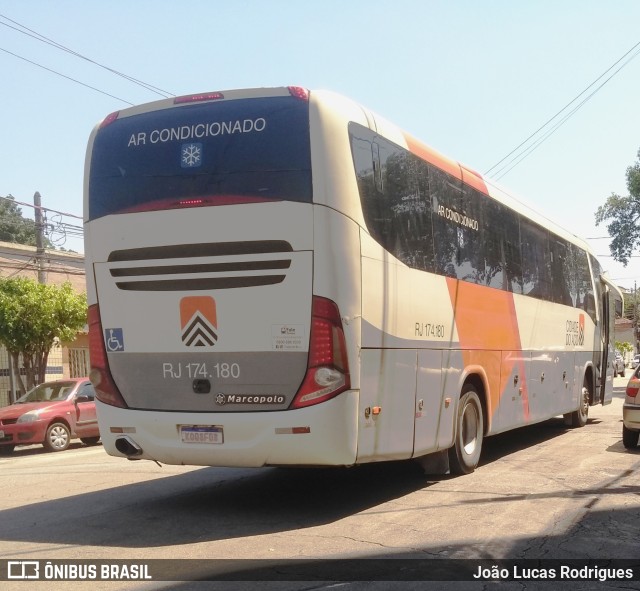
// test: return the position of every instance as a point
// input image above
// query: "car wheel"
(90, 440)
(465, 454)
(629, 438)
(57, 438)
(6, 450)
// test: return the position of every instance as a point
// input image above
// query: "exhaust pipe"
(128, 447)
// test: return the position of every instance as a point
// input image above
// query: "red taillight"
(327, 368)
(100, 376)
(198, 98)
(109, 119)
(214, 200)
(633, 387)
(299, 92)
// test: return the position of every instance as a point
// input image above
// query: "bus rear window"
(222, 152)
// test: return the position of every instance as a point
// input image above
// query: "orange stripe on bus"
(468, 176)
(473, 178)
(488, 326)
(430, 155)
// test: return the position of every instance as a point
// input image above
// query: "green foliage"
(631, 306)
(32, 316)
(623, 214)
(14, 227)
(624, 348)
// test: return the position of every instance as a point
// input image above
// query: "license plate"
(201, 434)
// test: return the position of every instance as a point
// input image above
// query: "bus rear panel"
(208, 343)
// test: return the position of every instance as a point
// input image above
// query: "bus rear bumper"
(322, 435)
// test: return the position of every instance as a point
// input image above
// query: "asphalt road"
(540, 492)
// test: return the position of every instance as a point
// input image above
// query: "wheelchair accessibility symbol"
(114, 339)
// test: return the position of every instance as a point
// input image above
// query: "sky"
(471, 78)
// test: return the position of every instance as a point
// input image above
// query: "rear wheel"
(580, 416)
(57, 438)
(465, 454)
(629, 438)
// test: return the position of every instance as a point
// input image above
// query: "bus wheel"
(579, 417)
(465, 453)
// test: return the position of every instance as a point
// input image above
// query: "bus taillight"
(109, 119)
(298, 92)
(198, 98)
(328, 368)
(100, 376)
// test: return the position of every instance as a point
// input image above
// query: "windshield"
(243, 149)
(48, 393)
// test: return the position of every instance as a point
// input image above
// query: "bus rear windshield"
(246, 149)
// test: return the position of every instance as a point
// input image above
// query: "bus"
(281, 277)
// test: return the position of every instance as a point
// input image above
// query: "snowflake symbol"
(191, 155)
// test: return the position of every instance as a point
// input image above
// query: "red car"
(631, 412)
(52, 414)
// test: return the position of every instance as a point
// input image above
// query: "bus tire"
(579, 417)
(465, 453)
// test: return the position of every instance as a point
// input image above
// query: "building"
(65, 359)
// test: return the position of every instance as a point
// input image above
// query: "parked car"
(52, 414)
(618, 366)
(635, 362)
(631, 412)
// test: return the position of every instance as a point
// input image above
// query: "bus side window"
(560, 256)
(536, 276)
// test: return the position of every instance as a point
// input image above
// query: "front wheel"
(630, 438)
(57, 438)
(465, 453)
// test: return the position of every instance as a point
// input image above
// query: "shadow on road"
(223, 503)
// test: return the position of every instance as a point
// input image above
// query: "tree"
(631, 305)
(624, 216)
(32, 317)
(624, 348)
(14, 227)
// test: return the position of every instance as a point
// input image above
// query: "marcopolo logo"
(198, 321)
(223, 399)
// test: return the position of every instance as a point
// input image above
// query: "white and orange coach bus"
(282, 277)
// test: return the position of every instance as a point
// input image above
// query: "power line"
(13, 200)
(529, 149)
(35, 35)
(65, 76)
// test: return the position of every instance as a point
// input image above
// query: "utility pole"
(37, 202)
(636, 330)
